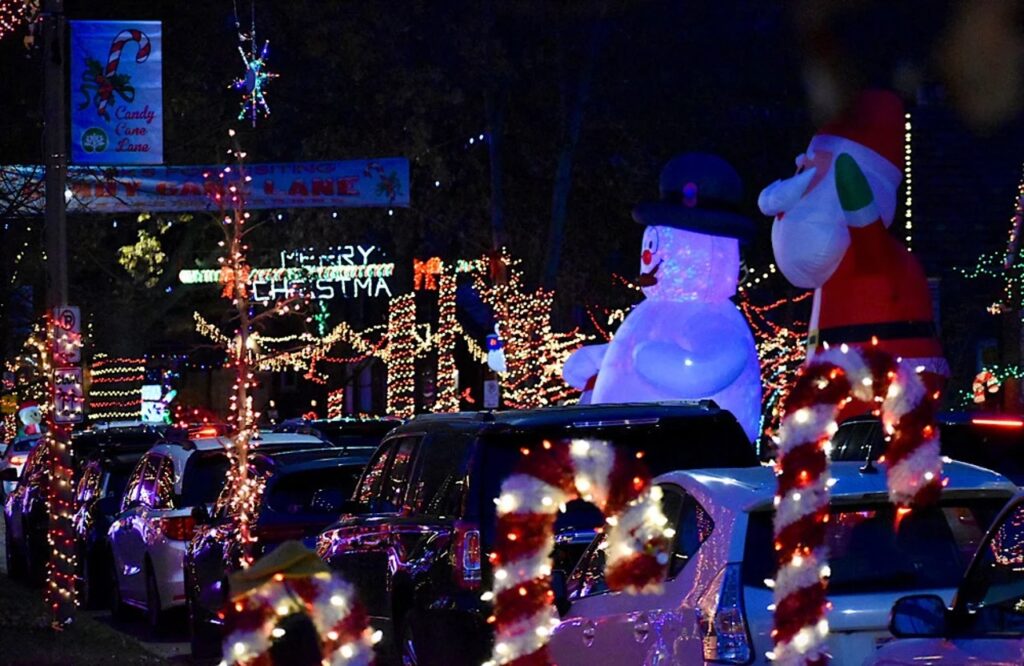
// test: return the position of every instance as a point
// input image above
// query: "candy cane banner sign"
(382, 182)
(116, 94)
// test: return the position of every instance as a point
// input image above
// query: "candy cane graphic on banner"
(914, 476)
(114, 58)
(547, 477)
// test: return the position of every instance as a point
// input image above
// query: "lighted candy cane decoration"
(914, 476)
(548, 476)
(341, 621)
(114, 58)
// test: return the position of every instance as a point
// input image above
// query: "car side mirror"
(9, 474)
(560, 586)
(200, 516)
(919, 616)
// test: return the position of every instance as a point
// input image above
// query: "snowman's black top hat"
(699, 192)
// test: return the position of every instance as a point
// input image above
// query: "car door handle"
(588, 633)
(369, 540)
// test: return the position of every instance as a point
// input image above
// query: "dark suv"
(423, 516)
(993, 441)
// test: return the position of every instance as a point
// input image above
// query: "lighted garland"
(546, 478)
(116, 391)
(913, 474)
(401, 395)
(252, 622)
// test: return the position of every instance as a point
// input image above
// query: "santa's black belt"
(892, 330)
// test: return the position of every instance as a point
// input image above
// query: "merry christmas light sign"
(344, 271)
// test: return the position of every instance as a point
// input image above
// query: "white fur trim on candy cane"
(638, 524)
(525, 569)
(800, 502)
(858, 373)
(792, 578)
(806, 424)
(329, 613)
(807, 645)
(905, 394)
(522, 493)
(355, 653)
(907, 476)
(592, 462)
(524, 637)
(254, 644)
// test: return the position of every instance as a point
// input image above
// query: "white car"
(149, 535)
(986, 624)
(714, 608)
(15, 455)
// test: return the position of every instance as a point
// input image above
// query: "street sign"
(492, 394)
(68, 395)
(67, 335)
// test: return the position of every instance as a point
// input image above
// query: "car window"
(133, 489)
(441, 473)
(875, 547)
(297, 492)
(692, 526)
(203, 478)
(89, 484)
(854, 439)
(372, 478)
(396, 485)
(994, 589)
(164, 496)
(147, 490)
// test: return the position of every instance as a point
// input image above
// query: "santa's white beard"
(811, 238)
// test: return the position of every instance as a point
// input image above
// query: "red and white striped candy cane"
(547, 477)
(914, 475)
(114, 57)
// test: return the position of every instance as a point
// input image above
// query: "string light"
(908, 224)
(16, 12)
(116, 391)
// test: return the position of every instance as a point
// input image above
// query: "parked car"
(985, 626)
(423, 512)
(995, 441)
(714, 608)
(149, 534)
(14, 457)
(304, 492)
(342, 431)
(25, 518)
(97, 501)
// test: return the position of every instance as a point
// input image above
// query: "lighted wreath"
(548, 476)
(913, 472)
(292, 580)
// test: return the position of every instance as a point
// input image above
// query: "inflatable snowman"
(687, 340)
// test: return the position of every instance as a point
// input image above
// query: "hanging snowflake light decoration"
(253, 82)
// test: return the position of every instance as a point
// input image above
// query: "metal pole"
(60, 584)
(56, 158)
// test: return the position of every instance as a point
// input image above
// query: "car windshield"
(203, 479)
(304, 492)
(877, 548)
(670, 444)
(22, 446)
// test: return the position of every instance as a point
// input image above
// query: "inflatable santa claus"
(831, 234)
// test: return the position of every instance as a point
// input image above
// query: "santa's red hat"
(871, 131)
(27, 404)
(874, 120)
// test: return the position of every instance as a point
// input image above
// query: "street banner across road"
(127, 189)
(117, 109)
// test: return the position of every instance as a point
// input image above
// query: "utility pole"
(60, 584)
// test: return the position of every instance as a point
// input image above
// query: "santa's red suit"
(879, 295)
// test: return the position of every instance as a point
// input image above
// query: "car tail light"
(179, 528)
(467, 555)
(721, 620)
(19, 459)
